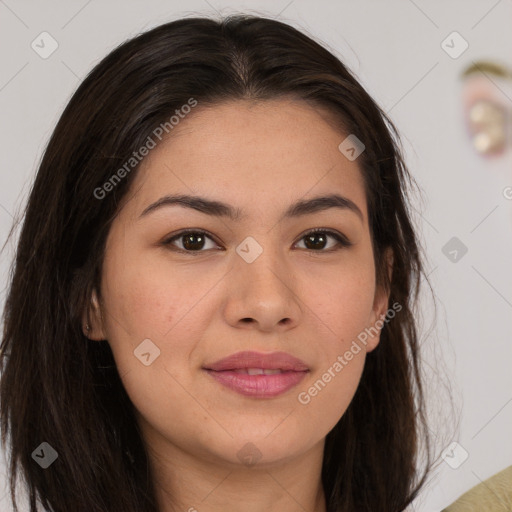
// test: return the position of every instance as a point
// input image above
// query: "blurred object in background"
(487, 101)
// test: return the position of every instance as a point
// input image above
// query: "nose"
(263, 294)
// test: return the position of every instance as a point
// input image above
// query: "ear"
(380, 305)
(93, 318)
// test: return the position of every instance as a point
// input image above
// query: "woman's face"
(171, 308)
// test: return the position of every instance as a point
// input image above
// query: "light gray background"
(394, 48)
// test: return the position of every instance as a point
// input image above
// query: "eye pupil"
(189, 243)
(311, 239)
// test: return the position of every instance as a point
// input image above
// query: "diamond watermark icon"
(44, 45)
(45, 455)
(351, 147)
(249, 454)
(454, 455)
(454, 250)
(454, 45)
(147, 352)
(249, 249)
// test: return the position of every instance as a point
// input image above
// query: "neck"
(187, 483)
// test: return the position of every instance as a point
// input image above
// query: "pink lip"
(261, 386)
(247, 359)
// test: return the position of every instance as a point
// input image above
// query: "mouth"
(256, 371)
(257, 374)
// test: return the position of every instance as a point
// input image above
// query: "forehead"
(254, 155)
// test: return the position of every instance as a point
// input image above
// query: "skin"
(260, 157)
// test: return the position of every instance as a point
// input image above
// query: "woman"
(212, 301)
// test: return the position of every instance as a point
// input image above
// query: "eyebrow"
(219, 209)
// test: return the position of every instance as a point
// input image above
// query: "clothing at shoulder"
(492, 495)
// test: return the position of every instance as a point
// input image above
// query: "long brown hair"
(60, 388)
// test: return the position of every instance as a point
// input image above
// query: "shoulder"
(494, 494)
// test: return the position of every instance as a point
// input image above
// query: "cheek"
(326, 396)
(342, 304)
(341, 297)
(153, 324)
(143, 298)
(146, 300)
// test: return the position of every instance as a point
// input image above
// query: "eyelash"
(343, 242)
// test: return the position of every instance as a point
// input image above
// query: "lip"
(249, 359)
(224, 371)
(258, 386)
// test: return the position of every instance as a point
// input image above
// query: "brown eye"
(191, 241)
(317, 240)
